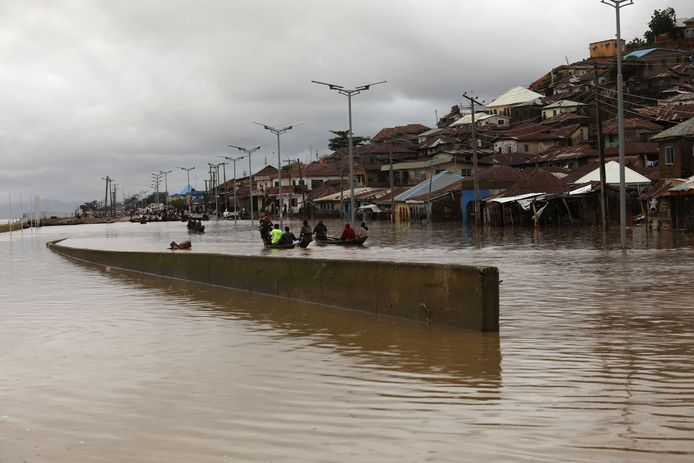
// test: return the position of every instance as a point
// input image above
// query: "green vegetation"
(662, 22)
(342, 140)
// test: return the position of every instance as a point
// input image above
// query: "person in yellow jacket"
(275, 235)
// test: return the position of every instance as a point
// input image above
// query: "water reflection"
(392, 346)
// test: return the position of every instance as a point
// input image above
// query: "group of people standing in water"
(275, 236)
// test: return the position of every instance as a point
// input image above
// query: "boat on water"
(340, 242)
(195, 226)
(280, 246)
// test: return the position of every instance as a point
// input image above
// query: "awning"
(503, 200)
(370, 207)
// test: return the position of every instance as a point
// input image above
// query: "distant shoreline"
(15, 226)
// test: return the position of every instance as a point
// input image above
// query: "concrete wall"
(455, 295)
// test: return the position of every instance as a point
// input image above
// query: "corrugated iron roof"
(514, 96)
(683, 129)
(612, 176)
(564, 104)
(437, 182)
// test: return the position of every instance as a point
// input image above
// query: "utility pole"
(475, 172)
(291, 187)
(249, 152)
(303, 189)
(214, 171)
(165, 173)
(617, 5)
(156, 179)
(392, 196)
(108, 189)
(114, 198)
(348, 93)
(233, 160)
(224, 172)
(601, 154)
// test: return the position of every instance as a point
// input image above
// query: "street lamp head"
(331, 86)
(366, 87)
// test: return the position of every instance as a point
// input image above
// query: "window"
(526, 148)
(610, 138)
(669, 155)
(508, 148)
(501, 122)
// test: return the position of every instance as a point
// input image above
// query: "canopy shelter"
(631, 177)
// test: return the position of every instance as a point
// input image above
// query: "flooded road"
(594, 360)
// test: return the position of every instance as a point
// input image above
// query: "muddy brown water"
(594, 360)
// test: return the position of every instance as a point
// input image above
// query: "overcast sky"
(126, 88)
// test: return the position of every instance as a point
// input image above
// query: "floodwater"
(594, 360)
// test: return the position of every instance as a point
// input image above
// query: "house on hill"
(560, 107)
(389, 134)
(657, 60)
(604, 48)
(676, 147)
(518, 103)
(483, 119)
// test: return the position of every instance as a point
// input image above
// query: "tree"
(636, 44)
(631, 67)
(662, 22)
(90, 206)
(342, 140)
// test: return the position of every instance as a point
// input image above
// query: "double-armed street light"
(233, 160)
(279, 132)
(188, 169)
(617, 4)
(348, 93)
(249, 152)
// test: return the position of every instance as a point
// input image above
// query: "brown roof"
(563, 118)
(634, 123)
(668, 113)
(538, 181)
(390, 132)
(633, 148)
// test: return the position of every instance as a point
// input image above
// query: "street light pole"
(188, 169)
(249, 152)
(233, 160)
(617, 4)
(348, 93)
(278, 132)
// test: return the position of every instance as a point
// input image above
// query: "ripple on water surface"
(593, 360)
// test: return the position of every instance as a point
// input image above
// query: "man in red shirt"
(348, 233)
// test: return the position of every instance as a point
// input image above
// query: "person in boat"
(287, 237)
(275, 235)
(306, 235)
(348, 233)
(321, 231)
(265, 228)
(363, 231)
